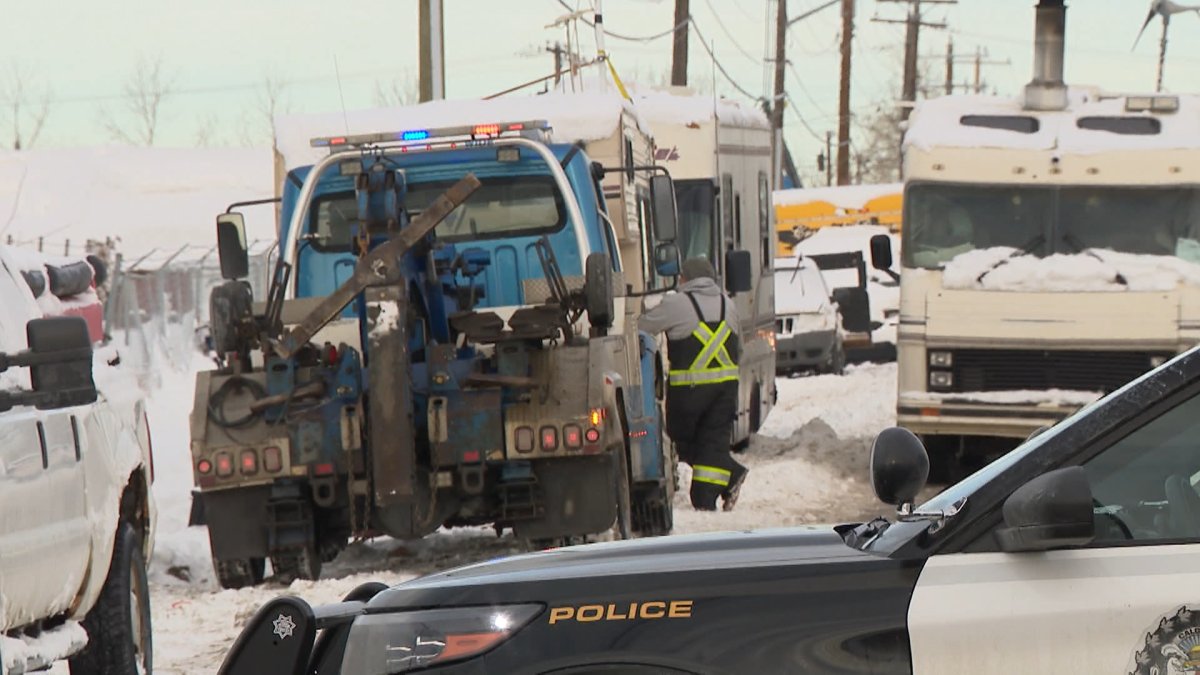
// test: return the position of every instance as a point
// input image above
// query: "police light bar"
(475, 132)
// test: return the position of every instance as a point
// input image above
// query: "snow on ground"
(808, 466)
(1095, 270)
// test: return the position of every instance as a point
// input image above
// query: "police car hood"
(676, 559)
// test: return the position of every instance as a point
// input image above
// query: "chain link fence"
(156, 309)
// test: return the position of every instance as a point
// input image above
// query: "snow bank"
(856, 405)
(581, 116)
(937, 123)
(1096, 271)
(1053, 397)
(146, 198)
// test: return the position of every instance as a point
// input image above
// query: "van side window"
(765, 232)
(727, 209)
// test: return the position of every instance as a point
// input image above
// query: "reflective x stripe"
(710, 474)
(713, 364)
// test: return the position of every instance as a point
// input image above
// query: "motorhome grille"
(1016, 369)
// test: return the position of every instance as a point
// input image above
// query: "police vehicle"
(1078, 552)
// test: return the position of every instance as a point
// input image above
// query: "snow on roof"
(937, 123)
(147, 198)
(573, 117)
(844, 239)
(681, 106)
(844, 196)
(1096, 270)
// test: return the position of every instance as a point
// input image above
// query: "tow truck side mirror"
(881, 252)
(739, 272)
(662, 198)
(899, 466)
(1051, 511)
(231, 246)
(666, 260)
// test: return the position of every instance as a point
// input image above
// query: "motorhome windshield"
(501, 207)
(695, 200)
(943, 221)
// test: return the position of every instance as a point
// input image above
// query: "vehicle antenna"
(341, 95)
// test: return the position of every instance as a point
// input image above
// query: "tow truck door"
(1127, 603)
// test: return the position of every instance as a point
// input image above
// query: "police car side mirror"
(899, 466)
(1051, 511)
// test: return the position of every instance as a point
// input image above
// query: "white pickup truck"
(76, 515)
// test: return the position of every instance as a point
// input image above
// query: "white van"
(808, 326)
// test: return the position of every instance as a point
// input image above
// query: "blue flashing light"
(416, 135)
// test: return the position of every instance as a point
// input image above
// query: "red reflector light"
(340, 140)
(592, 435)
(204, 466)
(249, 462)
(516, 127)
(549, 438)
(323, 469)
(272, 459)
(471, 456)
(224, 465)
(487, 129)
(572, 436)
(523, 439)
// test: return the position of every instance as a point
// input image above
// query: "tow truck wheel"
(623, 524)
(302, 563)
(118, 627)
(239, 572)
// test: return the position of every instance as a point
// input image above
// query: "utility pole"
(949, 66)
(781, 23)
(679, 53)
(432, 50)
(912, 36)
(843, 155)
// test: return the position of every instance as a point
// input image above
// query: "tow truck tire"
(239, 573)
(118, 627)
(301, 563)
(623, 524)
(598, 291)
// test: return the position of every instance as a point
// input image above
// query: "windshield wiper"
(1028, 249)
(1074, 243)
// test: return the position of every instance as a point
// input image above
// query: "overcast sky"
(217, 54)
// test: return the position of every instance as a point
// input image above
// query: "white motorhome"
(1051, 250)
(719, 155)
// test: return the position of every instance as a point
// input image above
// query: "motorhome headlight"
(940, 379)
(402, 641)
(941, 359)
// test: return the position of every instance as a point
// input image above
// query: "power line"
(728, 77)
(729, 35)
(803, 122)
(630, 38)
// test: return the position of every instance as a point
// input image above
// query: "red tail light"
(224, 465)
(272, 459)
(549, 438)
(592, 435)
(204, 467)
(249, 462)
(324, 469)
(572, 436)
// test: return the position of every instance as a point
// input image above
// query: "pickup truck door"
(44, 536)
(1127, 603)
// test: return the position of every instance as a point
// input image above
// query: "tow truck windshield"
(943, 221)
(501, 207)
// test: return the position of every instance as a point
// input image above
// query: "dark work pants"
(700, 421)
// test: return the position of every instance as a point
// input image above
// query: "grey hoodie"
(677, 317)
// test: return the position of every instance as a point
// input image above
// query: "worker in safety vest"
(702, 345)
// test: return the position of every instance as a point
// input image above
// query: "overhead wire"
(729, 35)
(630, 38)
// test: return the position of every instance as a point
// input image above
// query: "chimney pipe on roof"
(1047, 91)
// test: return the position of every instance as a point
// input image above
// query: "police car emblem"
(1172, 647)
(284, 626)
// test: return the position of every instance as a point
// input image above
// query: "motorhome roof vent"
(1019, 123)
(1127, 126)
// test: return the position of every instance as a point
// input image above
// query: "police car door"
(1127, 603)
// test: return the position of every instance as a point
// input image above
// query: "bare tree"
(271, 100)
(144, 93)
(881, 133)
(28, 107)
(206, 131)
(398, 91)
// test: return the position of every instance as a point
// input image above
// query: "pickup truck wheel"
(240, 572)
(118, 627)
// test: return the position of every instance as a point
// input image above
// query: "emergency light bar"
(536, 129)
